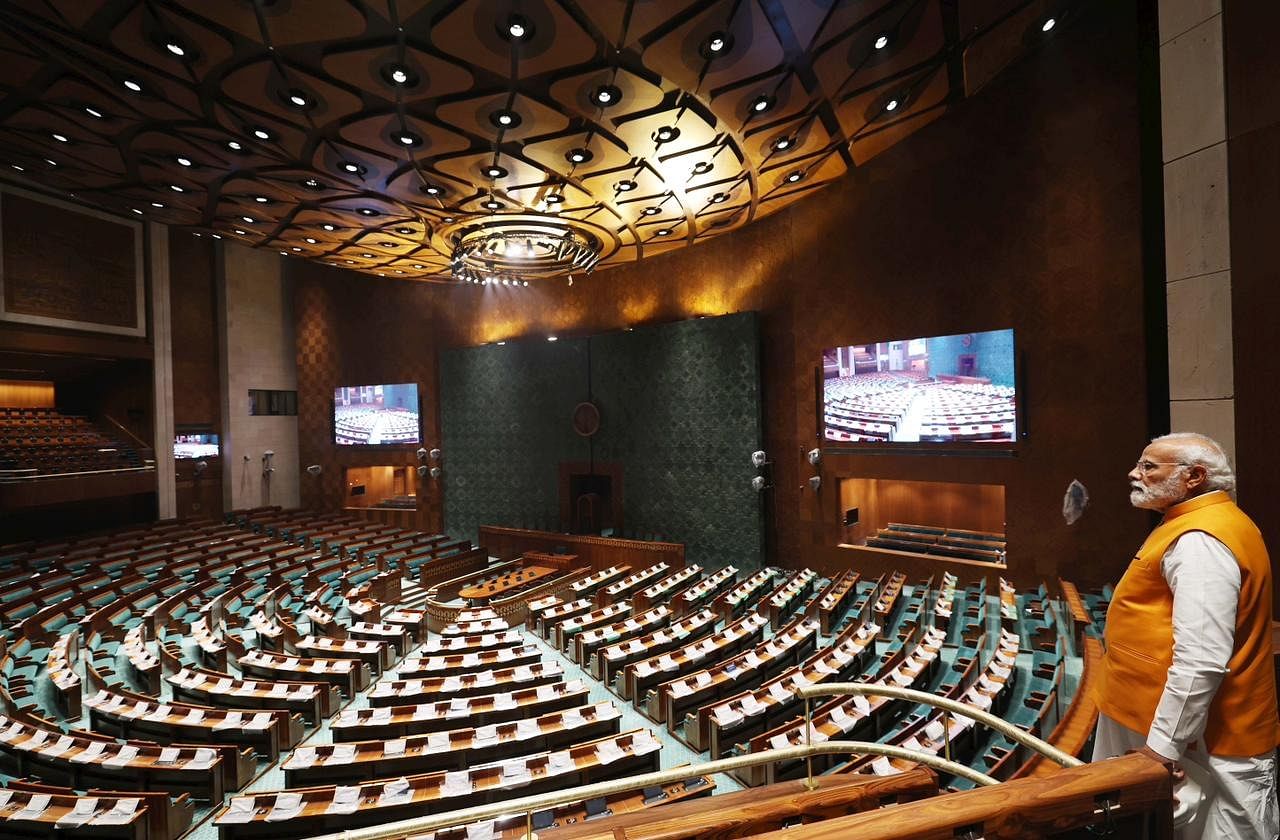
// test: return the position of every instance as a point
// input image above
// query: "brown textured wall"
(356, 330)
(1253, 157)
(1019, 209)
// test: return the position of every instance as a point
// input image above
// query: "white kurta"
(1205, 579)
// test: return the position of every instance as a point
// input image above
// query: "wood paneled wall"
(1021, 208)
(15, 392)
(977, 507)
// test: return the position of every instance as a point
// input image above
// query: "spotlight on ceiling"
(666, 134)
(795, 176)
(651, 211)
(783, 143)
(248, 220)
(93, 112)
(625, 186)
(329, 227)
(235, 146)
(61, 138)
(578, 155)
(182, 161)
(1048, 24)
(398, 75)
(367, 211)
(260, 132)
(606, 96)
(881, 41)
(702, 167)
(716, 44)
(554, 198)
(299, 99)
(662, 232)
(261, 199)
(312, 184)
(405, 231)
(494, 171)
(762, 103)
(719, 198)
(491, 204)
(504, 118)
(891, 105)
(133, 85)
(408, 138)
(516, 28)
(310, 240)
(175, 48)
(431, 189)
(351, 167)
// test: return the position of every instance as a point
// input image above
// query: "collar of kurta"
(1213, 497)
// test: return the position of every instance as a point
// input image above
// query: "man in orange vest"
(1188, 676)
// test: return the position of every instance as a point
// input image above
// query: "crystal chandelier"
(514, 250)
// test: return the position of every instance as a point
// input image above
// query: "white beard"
(1158, 497)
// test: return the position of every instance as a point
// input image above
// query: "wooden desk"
(505, 584)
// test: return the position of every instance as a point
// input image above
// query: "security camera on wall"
(814, 456)
(435, 472)
(422, 454)
(759, 458)
(422, 471)
(314, 469)
(758, 483)
(434, 454)
(815, 483)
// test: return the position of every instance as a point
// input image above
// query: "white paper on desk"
(644, 669)
(515, 771)
(839, 716)
(457, 783)
(12, 732)
(123, 757)
(822, 667)
(680, 689)
(381, 715)
(522, 674)
(35, 807)
(816, 735)
(560, 761)
(959, 724)
(504, 701)
(546, 692)
(350, 644)
(666, 663)
(901, 679)
(138, 710)
(485, 733)
(261, 720)
(913, 744)
(486, 678)
(449, 684)
(160, 713)
(726, 715)
(168, 755)
(393, 747)
(89, 753)
(862, 704)
(317, 667)
(752, 706)
(780, 741)
(933, 730)
(481, 831)
(460, 703)
(222, 685)
(302, 757)
(240, 810)
(287, 806)
(779, 692)
(60, 746)
(5, 796)
(36, 739)
(346, 800)
(572, 718)
(423, 711)
(437, 741)
(642, 743)
(341, 754)
(230, 721)
(608, 752)
(470, 660)
(118, 814)
(193, 716)
(750, 660)
(279, 690)
(203, 760)
(800, 679)
(527, 729)
(882, 767)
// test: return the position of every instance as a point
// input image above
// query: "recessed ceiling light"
(234, 146)
(431, 189)
(782, 143)
(762, 103)
(666, 134)
(310, 240)
(579, 155)
(216, 235)
(328, 226)
(701, 167)
(625, 186)
(882, 41)
(408, 138)
(284, 253)
(351, 167)
(517, 28)
(295, 248)
(367, 256)
(241, 232)
(651, 211)
(553, 198)
(312, 184)
(663, 232)
(367, 211)
(261, 199)
(398, 271)
(182, 161)
(133, 85)
(93, 112)
(551, 338)
(51, 161)
(157, 204)
(176, 188)
(298, 99)
(247, 220)
(502, 344)
(405, 231)
(606, 96)
(136, 210)
(495, 171)
(795, 176)
(19, 168)
(175, 48)
(719, 198)
(504, 118)
(261, 133)
(386, 244)
(350, 262)
(61, 138)
(448, 218)
(716, 44)
(492, 205)
(419, 266)
(892, 105)
(1048, 24)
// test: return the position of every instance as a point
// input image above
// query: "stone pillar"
(1197, 219)
(162, 371)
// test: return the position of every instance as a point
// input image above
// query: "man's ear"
(1196, 476)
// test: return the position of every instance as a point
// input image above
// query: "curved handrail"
(999, 724)
(529, 804)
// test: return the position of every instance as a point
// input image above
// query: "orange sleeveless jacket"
(1139, 634)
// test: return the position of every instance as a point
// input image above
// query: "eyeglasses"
(1146, 467)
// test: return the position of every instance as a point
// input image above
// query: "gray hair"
(1204, 451)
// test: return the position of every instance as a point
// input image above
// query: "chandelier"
(515, 250)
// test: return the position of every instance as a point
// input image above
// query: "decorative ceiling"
(384, 135)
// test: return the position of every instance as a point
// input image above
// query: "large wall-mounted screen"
(944, 389)
(376, 415)
(195, 446)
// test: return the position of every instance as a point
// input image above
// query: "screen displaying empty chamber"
(195, 446)
(944, 389)
(376, 415)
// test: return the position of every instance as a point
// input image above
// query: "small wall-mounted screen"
(195, 446)
(376, 415)
(944, 389)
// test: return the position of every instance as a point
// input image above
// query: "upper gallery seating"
(987, 546)
(40, 441)
(150, 675)
(875, 407)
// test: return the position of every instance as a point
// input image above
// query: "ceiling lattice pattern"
(370, 133)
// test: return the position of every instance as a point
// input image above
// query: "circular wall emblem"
(586, 419)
